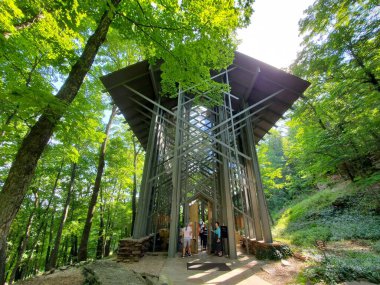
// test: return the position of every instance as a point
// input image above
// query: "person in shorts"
(187, 237)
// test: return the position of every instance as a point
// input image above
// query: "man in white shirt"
(187, 237)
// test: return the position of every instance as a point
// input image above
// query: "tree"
(23, 167)
(82, 253)
(54, 254)
(191, 37)
(334, 129)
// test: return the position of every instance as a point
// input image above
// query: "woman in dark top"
(218, 240)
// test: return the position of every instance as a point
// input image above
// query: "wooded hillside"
(70, 167)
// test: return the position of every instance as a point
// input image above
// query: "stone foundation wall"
(267, 250)
(133, 249)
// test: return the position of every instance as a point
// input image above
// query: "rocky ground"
(106, 271)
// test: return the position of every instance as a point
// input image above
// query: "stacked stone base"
(131, 250)
(261, 250)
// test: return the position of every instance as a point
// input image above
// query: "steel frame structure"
(209, 152)
(204, 151)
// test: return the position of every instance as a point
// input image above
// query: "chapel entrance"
(200, 213)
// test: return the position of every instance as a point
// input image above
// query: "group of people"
(187, 234)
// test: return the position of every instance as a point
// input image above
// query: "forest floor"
(158, 269)
(334, 234)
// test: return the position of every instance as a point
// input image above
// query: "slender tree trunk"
(109, 225)
(14, 257)
(73, 238)
(64, 251)
(35, 266)
(25, 240)
(82, 254)
(50, 241)
(54, 254)
(40, 257)
(74, 248)
(100, 245)
(25, 163)
(44, 225)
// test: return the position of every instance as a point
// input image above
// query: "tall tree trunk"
(43, 238)
(100, 245)
(54, 254)
(25, 163)
(25, 239)
(64, 254)
(74, 248)
(82, 254)
(109, 225)
(47, 258)
(107, 247)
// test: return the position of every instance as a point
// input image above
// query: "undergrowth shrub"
(376, 246)
(308, 236)
(353, 266)
(331, 214)
(353, 225)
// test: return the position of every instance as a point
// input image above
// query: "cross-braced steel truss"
(197, 151)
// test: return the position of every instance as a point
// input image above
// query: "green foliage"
(309, 206)
(331, 214)
(192, 38)
(346, 267)
(345, 212)
(376, 246)
(355, 226)
(334, 129)
(309, 234)
(39, 43)
(274, 170)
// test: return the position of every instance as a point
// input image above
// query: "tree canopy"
(335, 127)
(52, 109)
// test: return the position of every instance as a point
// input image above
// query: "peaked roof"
(249, 78)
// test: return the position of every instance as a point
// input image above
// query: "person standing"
(187, 237)
(218, 240)
(204, 234)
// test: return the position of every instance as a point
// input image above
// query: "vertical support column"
(251, 181)
(261, 198)
(145, 190)
(176, 179)
(263, 209)
(227, 204)
(210, 224)
(186, 212)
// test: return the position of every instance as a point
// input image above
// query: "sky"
(272, 36)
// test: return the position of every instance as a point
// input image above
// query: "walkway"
(243, 271)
